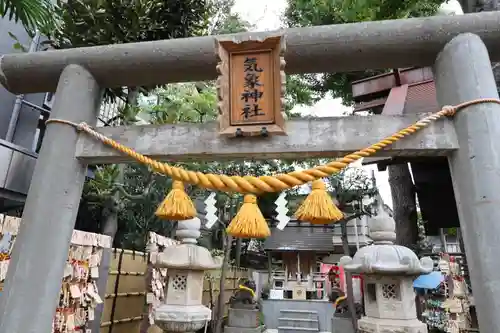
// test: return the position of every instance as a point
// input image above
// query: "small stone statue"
(244, 297)
(341, 305)
(244, 315)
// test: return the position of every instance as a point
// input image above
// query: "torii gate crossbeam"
(321, 49)
(307, 138)
(462, 72)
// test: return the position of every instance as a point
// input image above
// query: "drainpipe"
(19, 98)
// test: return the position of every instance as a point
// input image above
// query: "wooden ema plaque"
(251, 86)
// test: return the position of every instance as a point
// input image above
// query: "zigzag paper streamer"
(282, 211)
(210, 210)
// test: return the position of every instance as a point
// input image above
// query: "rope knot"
(318, 185)
(449, 110)
(177, 185)
(250, 198)
(81, 126)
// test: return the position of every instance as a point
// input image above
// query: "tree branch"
(151, 180)
(354, 216)
(94, 197)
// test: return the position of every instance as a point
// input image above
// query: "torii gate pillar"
(29, 300)
(462, 72)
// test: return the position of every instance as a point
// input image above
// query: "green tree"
(33, 14)
(97, 22)
(182, 102)
(305, 13)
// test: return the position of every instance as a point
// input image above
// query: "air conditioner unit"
(48, 100)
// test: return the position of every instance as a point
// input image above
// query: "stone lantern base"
(181, 318)
(377, 325)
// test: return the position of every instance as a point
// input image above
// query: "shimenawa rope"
(317, 208)
(276, 183)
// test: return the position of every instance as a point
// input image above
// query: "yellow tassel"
(249, 222)
(318, 207)
(177, 205)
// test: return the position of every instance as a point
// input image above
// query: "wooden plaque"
(251, 86)
(299, 292)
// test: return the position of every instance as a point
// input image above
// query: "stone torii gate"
(457, 47)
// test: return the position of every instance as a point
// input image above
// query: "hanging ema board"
(251, 86)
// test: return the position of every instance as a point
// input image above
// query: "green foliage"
(33, 14)
(451, 231)
(183, 102)
(102, 183)
(17, 45)
(132, 193)
(320, 12)
(350, 186)
(299, 92)
(102, 22)
(305, 13)
(137, 217)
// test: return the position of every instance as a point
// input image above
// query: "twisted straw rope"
(276, 183)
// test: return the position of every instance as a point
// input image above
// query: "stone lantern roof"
(187, 255)
(383, 257)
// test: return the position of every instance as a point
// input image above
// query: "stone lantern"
(186, 263)
(388, 272)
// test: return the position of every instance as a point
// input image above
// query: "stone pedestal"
(172, 318)
(243, 321)
(369, 325)
(342, 323)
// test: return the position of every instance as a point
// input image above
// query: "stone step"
(299, 322)
(228, 329)
(303, 314)
(289, 329)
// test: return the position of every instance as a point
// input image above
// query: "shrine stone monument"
(388, 273)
